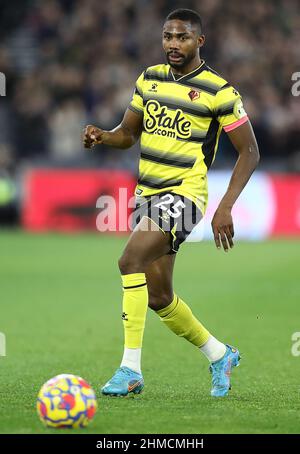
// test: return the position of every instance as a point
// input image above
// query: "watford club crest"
(194, 94)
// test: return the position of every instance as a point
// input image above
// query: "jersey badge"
(194, 94)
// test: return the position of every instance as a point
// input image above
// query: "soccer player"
(178, 111)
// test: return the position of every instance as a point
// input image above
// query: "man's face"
(181, 41)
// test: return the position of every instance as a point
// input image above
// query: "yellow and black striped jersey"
(182, 121)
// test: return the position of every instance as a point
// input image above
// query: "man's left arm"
(244, 141)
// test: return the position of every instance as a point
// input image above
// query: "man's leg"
(178, 317)
(174, 313)
(146, 244)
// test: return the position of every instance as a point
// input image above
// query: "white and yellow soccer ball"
(66, 401)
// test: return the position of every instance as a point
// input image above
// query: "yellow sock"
(180, 319)
(135, 303)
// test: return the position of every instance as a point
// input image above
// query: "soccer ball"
(66, 401)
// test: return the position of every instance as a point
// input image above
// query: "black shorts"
(171, 212)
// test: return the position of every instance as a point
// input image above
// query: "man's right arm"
(123, 136)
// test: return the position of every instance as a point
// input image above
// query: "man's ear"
(201, 40)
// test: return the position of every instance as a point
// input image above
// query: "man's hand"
(222, 226)
(92, 136)
(122, 136)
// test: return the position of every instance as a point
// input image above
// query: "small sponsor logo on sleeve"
(239, 110)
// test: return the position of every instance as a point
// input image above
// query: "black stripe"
(208, 147)
(135, 286)
(188, 139)
(195, 84)
(136, 91)
(201, 86)
(185, 82)
(224, 111)
(192, 139)
(168, 161)
(152, 75)
(177, 302)
(198, 111)
(156, 76)
(159, 185)
(225, 86)
(193, 111)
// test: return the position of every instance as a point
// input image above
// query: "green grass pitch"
(60, 299)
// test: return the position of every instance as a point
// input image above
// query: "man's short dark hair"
(186, 15)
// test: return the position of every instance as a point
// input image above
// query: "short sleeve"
(229, 109)
(136, 104)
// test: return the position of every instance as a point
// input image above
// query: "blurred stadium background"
(69, 63)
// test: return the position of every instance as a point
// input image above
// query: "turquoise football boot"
(221, 371)
(123, 382)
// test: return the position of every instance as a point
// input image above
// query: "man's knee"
(130, 263)
(157, 302)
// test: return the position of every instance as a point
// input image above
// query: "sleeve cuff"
(236, 124)
(135, 110)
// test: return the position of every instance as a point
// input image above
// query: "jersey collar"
(188, 76)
